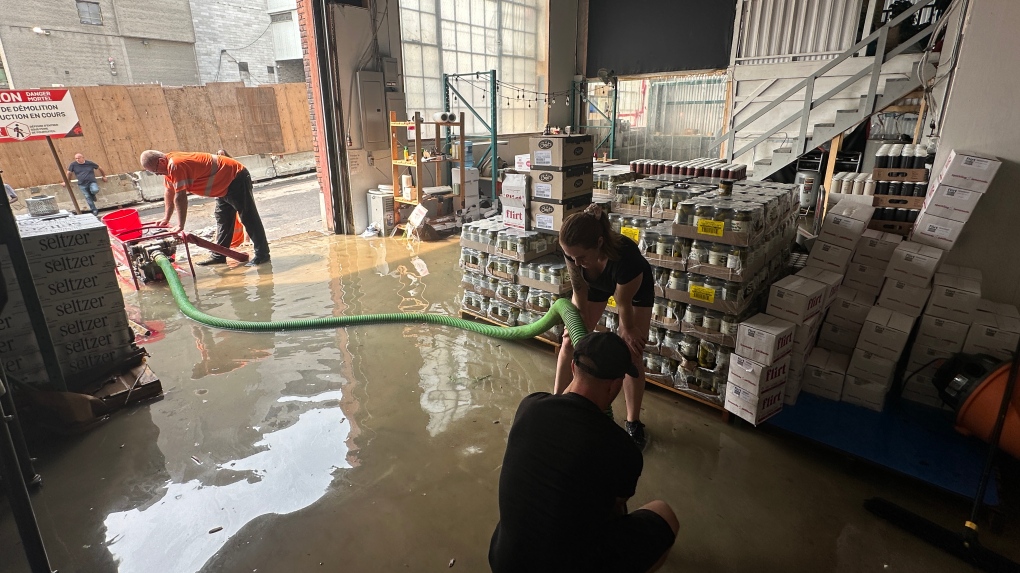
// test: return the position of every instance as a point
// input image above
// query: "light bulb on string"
(554, 99)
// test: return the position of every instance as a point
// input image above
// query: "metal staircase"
(814, 128)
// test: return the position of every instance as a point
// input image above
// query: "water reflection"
(292, 469)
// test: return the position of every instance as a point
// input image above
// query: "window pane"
(410, 29)
(428, 29)
(412, 60)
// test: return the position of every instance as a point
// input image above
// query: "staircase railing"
(880, 36)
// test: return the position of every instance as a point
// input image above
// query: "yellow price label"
(704, 294)
(632, 233)
(710, 227)
(611, 303)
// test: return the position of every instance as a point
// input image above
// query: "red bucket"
(124, 224)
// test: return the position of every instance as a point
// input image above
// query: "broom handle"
(1000, 421)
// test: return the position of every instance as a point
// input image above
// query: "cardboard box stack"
(561, 171)
(953, 195)
(759, 368)
(75, 276)
(943, 329)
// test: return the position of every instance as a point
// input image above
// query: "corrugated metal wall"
(776, 31)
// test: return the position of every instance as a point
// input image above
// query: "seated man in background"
(567, 474)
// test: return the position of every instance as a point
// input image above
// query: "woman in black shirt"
(603, 263)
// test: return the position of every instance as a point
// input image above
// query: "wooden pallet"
(470, 315)
(725, 414)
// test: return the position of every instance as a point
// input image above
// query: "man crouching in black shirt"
(567, 474)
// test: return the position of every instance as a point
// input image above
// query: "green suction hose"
(561, 311)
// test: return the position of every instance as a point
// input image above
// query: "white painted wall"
(982, 116)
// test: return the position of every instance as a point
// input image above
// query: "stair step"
(824, 125)
(844, 114)
(767, 161)
(782, 150)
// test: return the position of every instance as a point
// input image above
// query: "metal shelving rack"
(415, 160)
(490, 125)
(579, 115)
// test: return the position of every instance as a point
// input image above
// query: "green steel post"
(494, 131)
(612, 124)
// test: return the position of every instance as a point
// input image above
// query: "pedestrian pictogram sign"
(27, 115)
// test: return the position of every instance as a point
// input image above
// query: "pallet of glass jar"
(899, 174)
(894, 227)
(512, 294)
(667, 199)
(707, 333)
(540, 301)
(721, 221)
(899, 189)
(704, 384)
(503, 268)
(548, 273)
(473, 260)
(605, 179)
(894, 214)
(730, 263)
(527, 245)
(712, 299)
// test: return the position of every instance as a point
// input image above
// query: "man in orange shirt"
(216, 176)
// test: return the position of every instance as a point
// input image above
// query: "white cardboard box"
(922, 355)
(830, 279)
(560, 150)
(865, 278)
(954, 297)
(751, 406)
(758, 377)
(829, 257)
(968, 170)
(885, 333)
(864, 393)
(993, 334)
(944, 334)
(839, 338)
(796, 299)
(562, 184)
(867, 366)
(851, 307)
(962, 272)
(936, 231)
(764, 339)
(845, 223)
(805, 335)
(903, 297)
(951, 203)
(913, 263)
(824, 373)
(876, 248)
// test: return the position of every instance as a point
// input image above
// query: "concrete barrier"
(152, 187)
(117, 191)
(259, 166)
(294, 163)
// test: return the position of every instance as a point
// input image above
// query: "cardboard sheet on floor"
(911, 439)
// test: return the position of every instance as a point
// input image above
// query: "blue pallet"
(909, 438)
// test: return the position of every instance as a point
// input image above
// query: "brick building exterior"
(43, 43)
(231, 37)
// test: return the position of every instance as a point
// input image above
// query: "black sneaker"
(256, 261)
(212, 260)
(637, 433)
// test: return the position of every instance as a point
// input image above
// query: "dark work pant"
(240, 201)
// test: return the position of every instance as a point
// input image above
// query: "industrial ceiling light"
(40, 31)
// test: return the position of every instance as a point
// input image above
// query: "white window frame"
(93, 15)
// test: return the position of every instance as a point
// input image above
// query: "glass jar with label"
(703, 210)
(732, 291)
(655, 335)
(677, 280)
(695, 280)
(712, 320)
(522, 244)
(647, 197)
(694, 315)
(742, 217)
(719, 382)
(492, 237)
(659, 308)
(685, 212)
(507, 291)
(682, 248)
(736, 258)
(672, 340)
(724, 214)
(627, 222)
(544, 270)
(492, 283)
(689, 347)
(706, 354)
(698, 254)
(649, 239)
(539, 242)
(513, 267)
(616, 222)
(716, 285)
(668, 366)
(726, 187)
(666, 199)
(522, 292)
(674, 310)
(468, 256)
(664, 245)
(483, 259)
(718, 254)
(556, 273)
(722, 357)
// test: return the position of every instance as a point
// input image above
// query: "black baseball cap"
(604, 355)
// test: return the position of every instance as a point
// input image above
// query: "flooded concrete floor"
(378, 448)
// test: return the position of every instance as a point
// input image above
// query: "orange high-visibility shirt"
(200, 173)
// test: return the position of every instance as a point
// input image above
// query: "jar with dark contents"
(682, 248)
(719, 381)
(703, 210)
(685, 212)
(615, 221)
(712, 320)
(698, 254)
(672, 340)
(706, 354)
(716, 285)
(736, 258)
(647, 197)
(703, 380)
(722, 357)
(742, 217)
(650, 239)
(689, 347)
(726, 187)
(732, 291)
(664, 245)
(694, 316)
(718, 254)
(724, 213)
(695, 280)
(659, 308)
(674, 310)
(677, 280)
